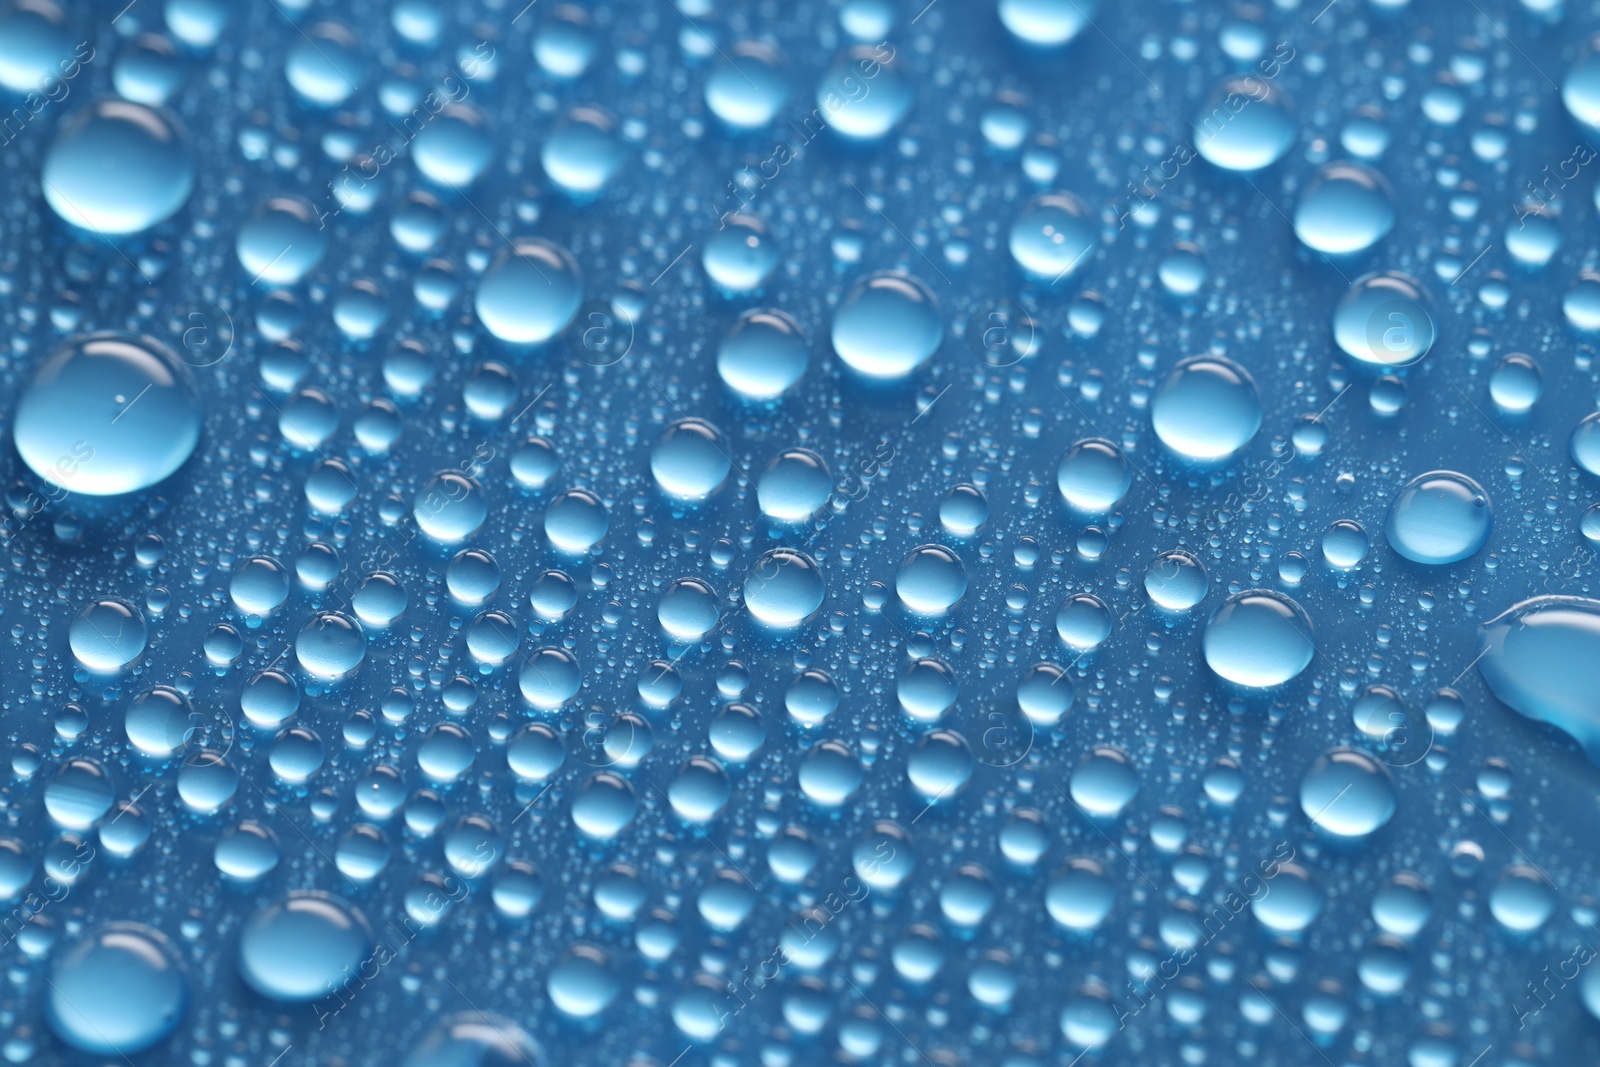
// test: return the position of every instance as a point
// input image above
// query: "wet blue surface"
(710, 534)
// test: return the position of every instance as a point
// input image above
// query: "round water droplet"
(1104, 782)
(784, 588)
(1049, 23)
(794, 485)
(887, 326)
(1347, 793)
(576, 521)
(107, 414)
(691, 460)
(1580, 89)
(1384, 319)
(476, 1039)
(1439, 517)
(283, 242)
(749, 87)
(325, 65)
(931, 580)
(118, 167)
(450, 507)
(741, 255)
(303, 947)
(1522, 899)
(1176, 580)
(530, 292)
(689, 609)
(455, 147)
(1093, 476)
(1346, 208)
(1054, 235)
(1206, 408)
(330, 645)
(864, 93)
(1245, 124)
(1345, 544)
(763, 355)
(107, 635)
(1259, 639)
(1516, 384)
(116, 989)
(549, 678)
(582, 154)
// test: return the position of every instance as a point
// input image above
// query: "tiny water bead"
(887, 325)
(784, 588)
(1259, 639)
(1244, 125)
(1346, 208)
(691, 461)
(108, 413)
(530, 293)
(302, 947)
(1385, 319)
(1438, 518)
(1347, 793)
(931, 580)
(1054, 235)
(763, 355)
(1093, 476)
(116, 989)
(1206, 408)
(118, 167)
(107, 635)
